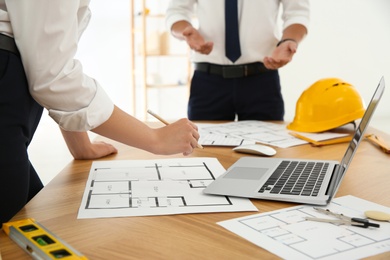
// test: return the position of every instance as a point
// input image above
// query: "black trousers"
(19, 118)
(255, 97)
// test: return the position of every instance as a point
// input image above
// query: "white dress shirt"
(47, 34)
(258, 27)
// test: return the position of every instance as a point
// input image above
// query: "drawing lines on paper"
(246, 132)
(151, 186)
(220, 140)
(292, 230)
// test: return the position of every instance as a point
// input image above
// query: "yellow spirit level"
(39, 242)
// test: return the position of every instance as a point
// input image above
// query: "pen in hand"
(166, 123)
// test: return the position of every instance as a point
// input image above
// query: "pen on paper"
(166, 123)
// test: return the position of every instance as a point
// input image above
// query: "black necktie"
(232, 40)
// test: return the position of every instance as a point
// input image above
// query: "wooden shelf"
(151, 41)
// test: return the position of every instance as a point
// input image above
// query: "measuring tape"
(39, 242)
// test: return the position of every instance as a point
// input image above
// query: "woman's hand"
(82, 148)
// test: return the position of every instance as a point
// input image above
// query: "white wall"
(348, 39)
(104, 49)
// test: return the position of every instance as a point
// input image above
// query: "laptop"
(292, 180)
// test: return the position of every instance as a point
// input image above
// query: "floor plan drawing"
(287, 234)
(249, 132)
(246, 132)
(155, 187)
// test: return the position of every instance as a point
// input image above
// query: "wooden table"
(187, 236)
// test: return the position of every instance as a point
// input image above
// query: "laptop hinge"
(337, 175)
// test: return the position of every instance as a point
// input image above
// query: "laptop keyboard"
(296, 178)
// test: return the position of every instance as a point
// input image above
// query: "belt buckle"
(230, 72)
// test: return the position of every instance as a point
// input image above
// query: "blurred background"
(348, 39)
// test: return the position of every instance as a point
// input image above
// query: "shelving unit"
(161, 67)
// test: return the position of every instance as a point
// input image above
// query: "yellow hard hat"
(328, 103)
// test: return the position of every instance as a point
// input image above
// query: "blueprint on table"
(155, 187)
(287, 234)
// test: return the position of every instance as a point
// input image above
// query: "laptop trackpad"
(246, 173)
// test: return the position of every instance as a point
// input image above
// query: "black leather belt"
(232, 71)
(8, 44)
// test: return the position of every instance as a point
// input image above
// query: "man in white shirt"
(38, 42)
(247, 88)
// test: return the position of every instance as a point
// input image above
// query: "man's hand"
(196, 41)
(183, 30)
(282, 55)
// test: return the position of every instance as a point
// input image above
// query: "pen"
(377, 140)
(342, 219)
(166, 123)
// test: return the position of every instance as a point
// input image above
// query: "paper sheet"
(155, 187)
(287, 234)
(246, 132)
(250, 132)
(323, 136)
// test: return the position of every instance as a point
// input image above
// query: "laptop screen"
(358, 136)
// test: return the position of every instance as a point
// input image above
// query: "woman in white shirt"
(38, 42)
